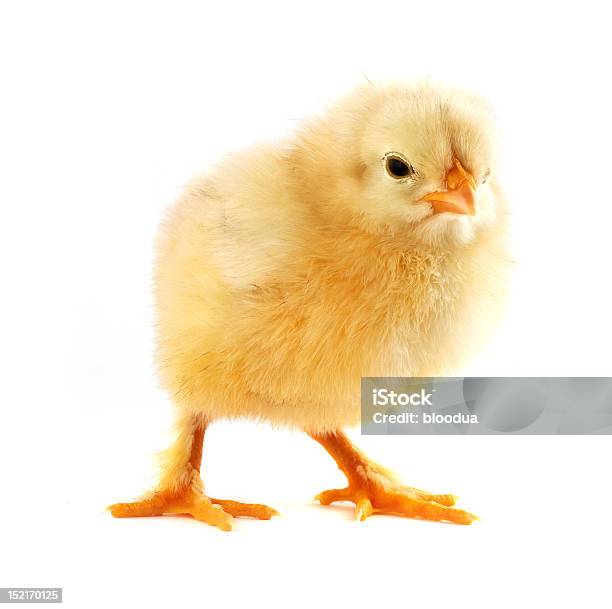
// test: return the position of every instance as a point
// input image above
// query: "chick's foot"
(374, 490)
(216, 512)
(383, 496)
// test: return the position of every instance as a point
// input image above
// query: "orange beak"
(459, 196)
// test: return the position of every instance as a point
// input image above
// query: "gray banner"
(30, 595)
(478, 405)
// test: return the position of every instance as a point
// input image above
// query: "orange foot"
(216, 512)
(374, 491)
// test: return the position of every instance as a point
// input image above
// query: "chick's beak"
(460, 194)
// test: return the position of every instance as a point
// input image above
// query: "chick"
(370, 243)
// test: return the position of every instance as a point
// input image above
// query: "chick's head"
(417, 161)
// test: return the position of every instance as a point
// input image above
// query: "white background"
(106, 109)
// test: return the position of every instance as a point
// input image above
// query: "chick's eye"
(397, 168)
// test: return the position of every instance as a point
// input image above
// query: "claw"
(363, 509)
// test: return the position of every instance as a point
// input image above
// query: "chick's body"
(294, 269)
(272, 304)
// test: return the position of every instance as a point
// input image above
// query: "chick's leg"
(373, 489)
(180, 490)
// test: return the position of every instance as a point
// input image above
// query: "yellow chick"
(371, 243)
